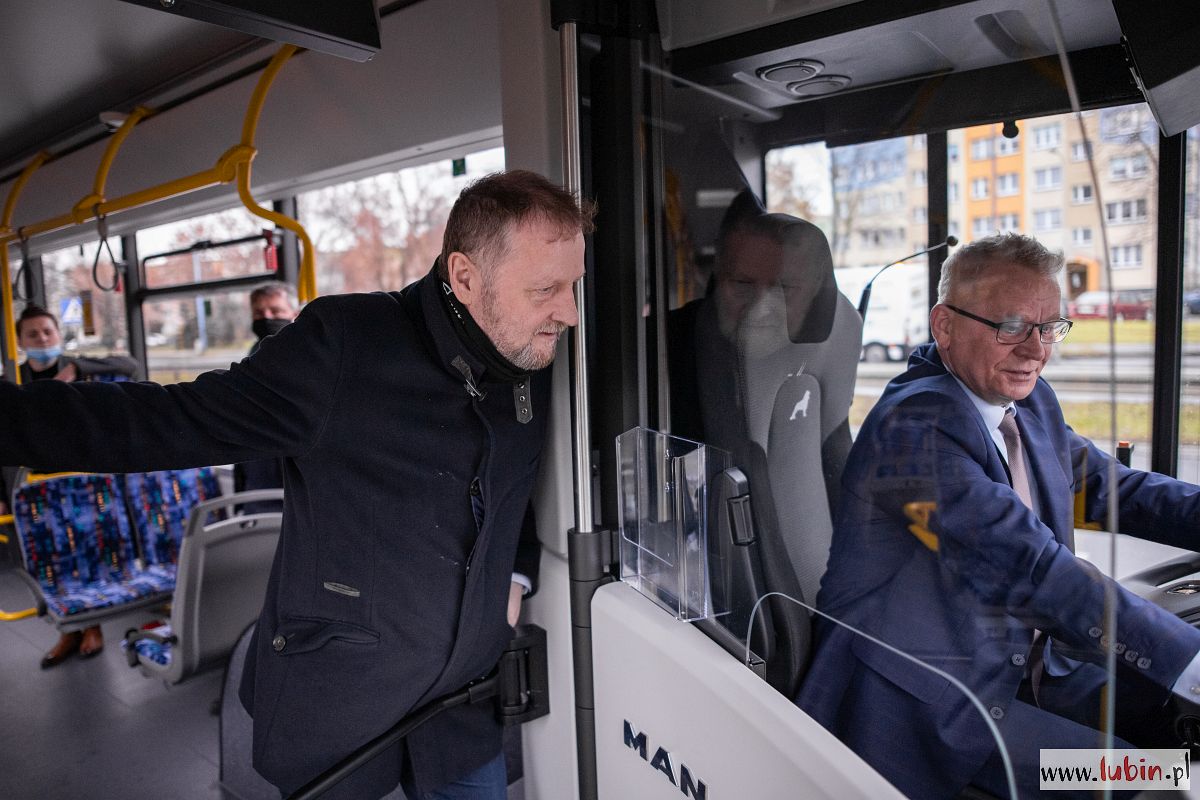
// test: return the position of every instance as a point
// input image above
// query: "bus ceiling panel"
(1022, 90)
(65, 62)
(343, 28)
(1165, 58)
(871, 44)
(324, 118)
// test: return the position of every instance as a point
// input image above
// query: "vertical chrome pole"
(584, 562)
(573, 182)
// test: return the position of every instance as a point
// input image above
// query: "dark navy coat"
(971, 607)
(387, 590)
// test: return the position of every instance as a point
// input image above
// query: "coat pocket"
(296, 635)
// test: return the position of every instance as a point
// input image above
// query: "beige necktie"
(1017, 467)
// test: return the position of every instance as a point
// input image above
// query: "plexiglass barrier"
(666, 507)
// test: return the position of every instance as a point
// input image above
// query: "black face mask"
(268, 327)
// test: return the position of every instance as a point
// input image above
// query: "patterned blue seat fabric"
(152, 649)
(78, 541)
(160, 503)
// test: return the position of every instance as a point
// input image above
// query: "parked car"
(1129, 304)
(1191, 301)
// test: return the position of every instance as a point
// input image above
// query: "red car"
(1130, 304)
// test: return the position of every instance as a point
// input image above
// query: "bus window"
(384, 231)
(205, 264)
(189, 335)
(870, 201)
(1189, 412)
(92, 320)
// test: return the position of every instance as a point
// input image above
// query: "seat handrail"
(200, 511)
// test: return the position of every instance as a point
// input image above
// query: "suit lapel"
(1052, 488)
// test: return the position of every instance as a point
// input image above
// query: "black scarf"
(475, 340)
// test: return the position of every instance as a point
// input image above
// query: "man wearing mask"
(272, 307)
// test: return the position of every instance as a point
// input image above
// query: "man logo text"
(662, 761)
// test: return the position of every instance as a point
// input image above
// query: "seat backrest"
(221, 580)
(777, 350)
(797, 407)
(159, 506)
(73, 530)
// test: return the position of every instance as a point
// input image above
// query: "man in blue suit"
(953, 543)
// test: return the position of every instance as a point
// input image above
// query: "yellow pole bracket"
(307, 289)
(6, 297)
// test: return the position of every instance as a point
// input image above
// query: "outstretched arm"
(272, 404)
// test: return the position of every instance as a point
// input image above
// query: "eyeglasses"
(1016, 332)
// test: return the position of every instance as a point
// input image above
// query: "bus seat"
(797, 406)
(78, 549)
(776, 357)
(221, 580)
(159, 506)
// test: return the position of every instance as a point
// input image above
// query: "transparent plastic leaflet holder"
(667, 504)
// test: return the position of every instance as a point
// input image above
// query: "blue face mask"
(44, 355)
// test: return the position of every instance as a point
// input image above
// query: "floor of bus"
(97, 728)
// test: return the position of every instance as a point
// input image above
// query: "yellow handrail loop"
(307, 288)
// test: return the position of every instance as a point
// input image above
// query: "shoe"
(93, 642)
(68, 643)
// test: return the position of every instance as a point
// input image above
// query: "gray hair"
(972, 262)
(272, 288)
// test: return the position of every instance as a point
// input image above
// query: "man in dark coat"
(410, 425)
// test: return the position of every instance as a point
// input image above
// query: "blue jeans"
(489, 782)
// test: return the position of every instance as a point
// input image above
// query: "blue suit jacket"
(971, 607)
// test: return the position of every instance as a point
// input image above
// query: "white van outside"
(897, 317)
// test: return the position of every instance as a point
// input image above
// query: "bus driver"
(954, 543)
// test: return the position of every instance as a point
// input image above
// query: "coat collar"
(453, 354)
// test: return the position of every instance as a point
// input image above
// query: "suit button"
(1094, 632)
(997, 712)
(1018, 659)
(279, 642)
(1131, 656)
(1104, 640)
(1119, 648)
(1143, 663)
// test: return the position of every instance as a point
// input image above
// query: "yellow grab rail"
(83, 209)
(9, 616)
(307, 289)
(233, 165)
(6, 298)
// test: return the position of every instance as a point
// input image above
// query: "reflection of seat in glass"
(764, 367)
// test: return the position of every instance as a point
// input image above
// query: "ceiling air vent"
(790, 71)
(826, 84)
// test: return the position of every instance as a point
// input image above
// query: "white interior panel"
(708, 712)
